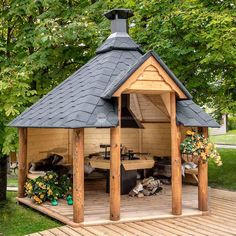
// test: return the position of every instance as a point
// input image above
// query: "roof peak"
(119, 41)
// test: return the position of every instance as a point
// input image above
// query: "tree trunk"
(3, 178)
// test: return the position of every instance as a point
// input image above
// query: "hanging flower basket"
(195, 147)
(190, 158)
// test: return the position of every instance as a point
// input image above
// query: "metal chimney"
(119, 19)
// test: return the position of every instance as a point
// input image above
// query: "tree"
(196, 39)
(41, 44)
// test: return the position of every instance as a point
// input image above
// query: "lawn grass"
(232, 132)
(229, 138)
(17, 220)
(224, 177)
(12, 180)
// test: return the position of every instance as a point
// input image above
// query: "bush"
(232, 123)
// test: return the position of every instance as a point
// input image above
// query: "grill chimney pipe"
(119, 19)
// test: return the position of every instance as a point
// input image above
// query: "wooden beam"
(140, 116)
(137, 106)
(78, 176)
(115, 169)
(203, 181)
(166, 100)
(176, 167)
(22, 160)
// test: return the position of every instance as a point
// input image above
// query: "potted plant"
(195, 147)
(48, 187)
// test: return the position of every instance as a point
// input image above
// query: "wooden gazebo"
(120, 76)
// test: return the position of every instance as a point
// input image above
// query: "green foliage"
(41, 44)
(232, 123)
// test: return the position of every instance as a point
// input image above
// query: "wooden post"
(115, 169)
(176, 167)
(78, 176)
(22, 161)
(203, 181)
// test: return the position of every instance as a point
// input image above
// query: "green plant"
(49, 187)
(232, 123)
(199, 146)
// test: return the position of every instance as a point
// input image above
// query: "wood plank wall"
(155, 138)
(41, 141)
(95, 137)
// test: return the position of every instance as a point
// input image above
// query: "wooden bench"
(193, 173)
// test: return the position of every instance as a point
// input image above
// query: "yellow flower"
(189, 132)
(37, 199)
(50, 176)
(209, 145)
(41, 196)
(203, 156)
(50, 192)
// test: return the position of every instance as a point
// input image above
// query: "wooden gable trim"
(150, 78)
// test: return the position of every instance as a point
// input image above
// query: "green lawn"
(12, 180)
(229, 138)
(16, 220)
(225, 176)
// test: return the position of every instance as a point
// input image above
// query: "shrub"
(232, 123)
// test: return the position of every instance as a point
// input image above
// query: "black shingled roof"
(189, 113)
(84, 99)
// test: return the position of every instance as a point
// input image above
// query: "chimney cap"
(121, 13)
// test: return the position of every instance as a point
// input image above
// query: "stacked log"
(146, 187)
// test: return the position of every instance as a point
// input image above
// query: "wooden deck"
(132, 208)
(221, 222)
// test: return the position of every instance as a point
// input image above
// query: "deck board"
(97, 211)
(220, 222)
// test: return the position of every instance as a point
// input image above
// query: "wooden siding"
(154, 138)
(95, 137)
(43, 141)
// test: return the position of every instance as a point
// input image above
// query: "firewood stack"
(146, 187)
